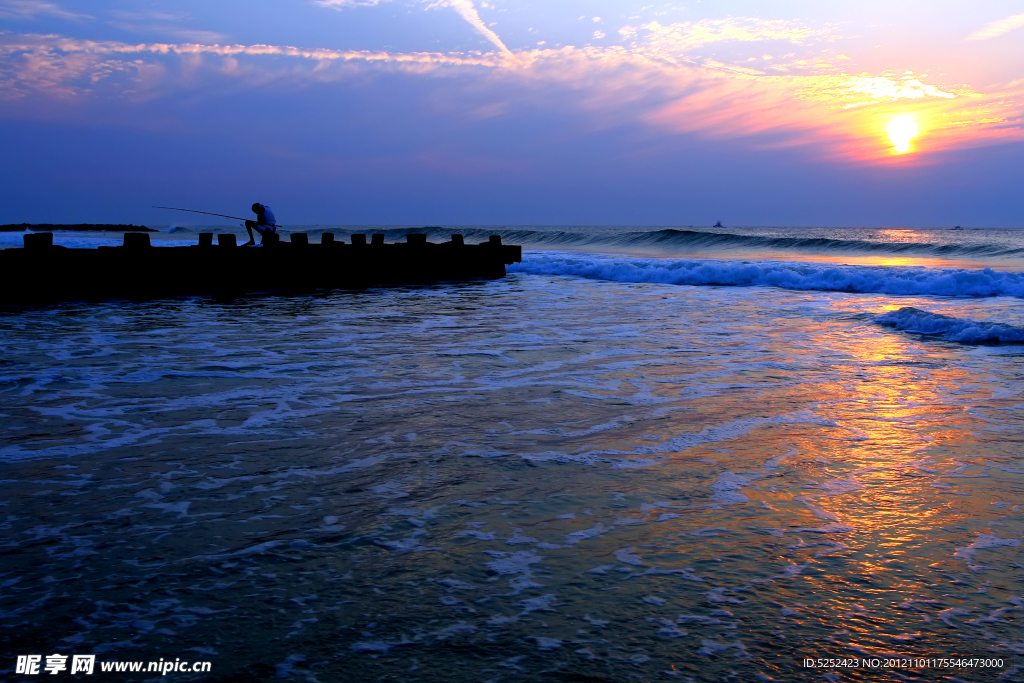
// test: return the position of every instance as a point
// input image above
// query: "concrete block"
(136, 240)
(37, 240)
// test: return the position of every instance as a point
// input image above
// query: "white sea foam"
(90, 240)
(627, 556)
(288, 442)
(548, 643)
(911, 319)
(834, 528)
(727, 488)
(670, 629)
(514, 563)
(583, 534)
(984, 542)
(711, 647)
(899, 280)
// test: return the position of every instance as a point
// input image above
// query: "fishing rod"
(171, 208)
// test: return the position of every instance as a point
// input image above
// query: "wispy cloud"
(467, 10)
(849, 91)
(68, 67)
(612, 86)
(340, 4)
(30, 9)
(677, 41)
(162, 24)
(998, 28)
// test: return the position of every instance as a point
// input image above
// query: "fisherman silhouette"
(265, 224)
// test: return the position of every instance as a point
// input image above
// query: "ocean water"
(644, 455)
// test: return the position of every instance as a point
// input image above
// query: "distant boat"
(718, 225)
(957, 228)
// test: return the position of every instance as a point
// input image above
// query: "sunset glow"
(486, 96)
(902, 130)
(519, 340)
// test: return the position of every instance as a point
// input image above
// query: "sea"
(646, 454)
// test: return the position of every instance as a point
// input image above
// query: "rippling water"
(547, 477)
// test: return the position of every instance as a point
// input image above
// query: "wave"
(897, 280)
(915, 320)
(669, 240)
(666, 240)
(77, 240)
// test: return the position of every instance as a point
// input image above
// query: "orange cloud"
(842, 115)
(672, 42)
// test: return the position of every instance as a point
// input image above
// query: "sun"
(902, 129)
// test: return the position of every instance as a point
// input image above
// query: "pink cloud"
(840, 114)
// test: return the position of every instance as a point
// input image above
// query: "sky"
(515, 112)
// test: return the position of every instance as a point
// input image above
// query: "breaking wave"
(897, 280)
(915, 320)
(973, 245)
(676, 240)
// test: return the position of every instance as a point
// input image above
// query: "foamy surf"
(910, 319)
(507, 477)
(897, 280)
(1003, 249)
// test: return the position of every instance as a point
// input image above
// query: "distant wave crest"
(669, 240)
(911, 319)
(827, 246)
(907, 281)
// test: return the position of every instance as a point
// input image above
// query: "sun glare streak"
(902, 129)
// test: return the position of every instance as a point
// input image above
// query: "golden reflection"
(902, 129)
(1008, 265)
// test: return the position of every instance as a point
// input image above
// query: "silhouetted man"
(265, 223)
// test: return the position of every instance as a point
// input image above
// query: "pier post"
(136, 240)
(37, 240)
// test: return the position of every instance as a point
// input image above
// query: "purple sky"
(514, 112)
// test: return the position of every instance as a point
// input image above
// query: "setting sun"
(902, 129)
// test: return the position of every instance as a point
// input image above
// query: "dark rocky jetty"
(43, 273)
